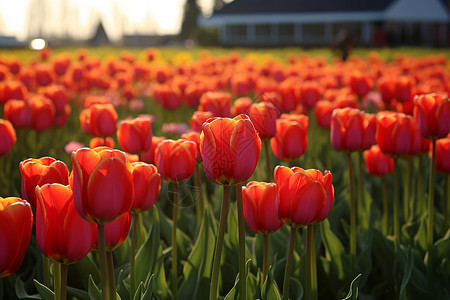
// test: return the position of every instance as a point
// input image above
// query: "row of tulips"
(229, 150)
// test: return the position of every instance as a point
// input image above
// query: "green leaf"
(353, 292)
(270, 289)
(21, 293)
(295, 289)
(45, 292)
(233, 294)
(147, 294)
(138, 293)
(184, 243)
(406, 272)
(197, 269)
(93, 291)
(88, 266)
(333, 248)
(76, 293)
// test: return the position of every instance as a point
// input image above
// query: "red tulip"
(12, 89)
(304, 196)
(147, 184)
(57, 94)
(102, 184)
(198, 118)
(432, 113)
(241, 106)
(61, 233)
(167, 96)
(404, 88)
(360, 83)
(310, 93)
(16, 222)
(37, 172)
(396, 134)
(149, 156)
(291, 138)
(264, 118)
(218, 103)
(135, 136)
(194, 137)
(175, 160)
(443, 155)
(7, 136)
(260, 206)
(193, 93)
(352, 129)
(102, 120)
(18, 113)
(377, 163)
(116, 232)
(42, 112)
(230, 149)
(386, 87)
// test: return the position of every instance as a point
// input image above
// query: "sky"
(79, 18)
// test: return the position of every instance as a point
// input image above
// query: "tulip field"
(224, 174)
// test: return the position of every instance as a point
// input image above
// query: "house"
(308, 23)
(100, 37)
(10, 42)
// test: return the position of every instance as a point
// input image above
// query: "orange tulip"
(264, 118)
(377, 163)
(194, 137)
(37, 172)
(101, 176)
(241, 106)
(198, 118)
(230, 149)
(304, 196)
(175, 160)
(260, 206)
(149, 156)
(12, 89)
(61, 233)
(291, 138)
(147, 184)
(360, 83)
(135, 136)
(100, 141)
(7, 136)
(102, 119)
(218, 103)
(443, 155)
(16, 222)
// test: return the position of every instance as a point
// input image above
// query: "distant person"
(343, 44)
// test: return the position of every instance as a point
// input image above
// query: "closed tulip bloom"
(37, 172)
(443, 155)
(167, 96)
(432, 113)
(176, 160)
(304, 196)
(218, 103)
(264, 118)
(194, 136)
(360, 83)
(291, 139)
(386, 87)
(7, 136)
(102, 120)
(42, 112)
(61, 233)
(241, 106)
(260, 206)
(100, 141)
(135, 136)
(18, 113)
(116, 232)
(404, 88)
(16, 223)
(147, 184)
(322, 111)
(395, 133)
(12, 89)
(377, 163)
(230, 149)
(198, 118)
(149, 156)
(310, 93)
(102, 184)
(352, 129)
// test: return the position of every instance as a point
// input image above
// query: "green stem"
(265, 256)
(430, 223)
(241, 224)
(111, 276)
(396, 204)
(287, 269)
(406, 187)
(133, 255)
(361, 203)
(103, 261)
(36, 143)
(219, 244)
(63, 288)
(57, 280)
(46, 270)
(385, 207)
(311, 272)
(352, 211)
(198, 193)
(447, 199)
(420, 187)
(268, 165)
(174, 242)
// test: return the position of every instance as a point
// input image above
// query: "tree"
(190, 19)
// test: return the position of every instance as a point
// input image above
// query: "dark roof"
(301, 6)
